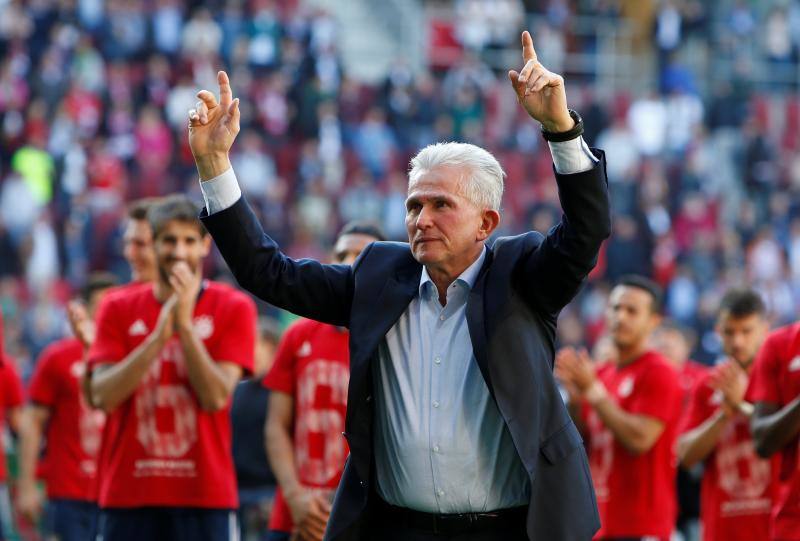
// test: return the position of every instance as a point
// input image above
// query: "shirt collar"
(468, 277)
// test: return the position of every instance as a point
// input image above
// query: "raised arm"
(569, 252)
(307, 288)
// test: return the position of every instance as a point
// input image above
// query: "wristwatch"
(559, 137)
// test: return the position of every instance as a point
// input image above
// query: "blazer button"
(361, 483)
(369, 399)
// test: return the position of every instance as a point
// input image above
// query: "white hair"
(484, 184)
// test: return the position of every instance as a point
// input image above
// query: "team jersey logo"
(138, 328)
(203, 327)
(794, 366)
(305, 349)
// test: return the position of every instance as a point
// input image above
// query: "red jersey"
(636, 493)
(74, 429)
(312, 365)
(159, 447)
(11, 396)
(737, 488)
(776, 380)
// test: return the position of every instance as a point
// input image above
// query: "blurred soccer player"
(254, 477)
(163, 366)
(138, 242)
(675, 343)
(58, 414)
(307, 409)
(775, 391)
(737, 485)
(630, 410)
(11, 412)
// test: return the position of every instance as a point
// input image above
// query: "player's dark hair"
(360, 227)
(647, 285)
(173, 207)
(137, 210)
(97, 281)
(269, 329)
(742, 302)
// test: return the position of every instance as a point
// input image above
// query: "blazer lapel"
(476, 321)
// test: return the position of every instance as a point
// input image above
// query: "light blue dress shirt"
(440, 443)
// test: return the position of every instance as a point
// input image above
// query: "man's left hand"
(186, 285)
(540, 91)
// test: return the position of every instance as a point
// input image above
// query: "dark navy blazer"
(511, 313)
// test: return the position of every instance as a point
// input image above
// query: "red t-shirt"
(738, 486)
(312, 364)
(776, 380)
(159, 447)
(11, 396)
(74, 429)
(636, 493)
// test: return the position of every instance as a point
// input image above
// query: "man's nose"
(180, 250)
(424, 219)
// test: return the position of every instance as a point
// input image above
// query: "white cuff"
(220, 192)
(572, 156)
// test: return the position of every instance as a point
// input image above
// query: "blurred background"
(694, 102)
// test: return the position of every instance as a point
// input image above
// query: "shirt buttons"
(441, 318)
(435, 448)
(435, 404)
(440, 492)
(437, 360)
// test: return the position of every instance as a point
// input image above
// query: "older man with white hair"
(455, 423)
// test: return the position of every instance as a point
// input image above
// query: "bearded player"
(163, 366)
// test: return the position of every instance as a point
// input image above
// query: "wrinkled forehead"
(441, 179)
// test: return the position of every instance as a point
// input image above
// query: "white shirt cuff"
(572, 156)
(220, 192)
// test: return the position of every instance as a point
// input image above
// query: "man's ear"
(206, 245)
(490, 219)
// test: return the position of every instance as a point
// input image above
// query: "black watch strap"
(559, 137)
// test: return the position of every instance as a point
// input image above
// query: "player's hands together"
(575, 368)
(731, 380)
(213, 126)
(540, 91)
(310, 512)
(186, 285)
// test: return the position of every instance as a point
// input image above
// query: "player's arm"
(637, 433)
(31, 432)
(212, 382)
(309, 512)
(774, 427)
(696, 444)
(113, 384)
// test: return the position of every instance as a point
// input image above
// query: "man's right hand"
(310, 512)
(165, 327)
(213, 127)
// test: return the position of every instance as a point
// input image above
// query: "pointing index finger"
(225, 92)
(528, 52)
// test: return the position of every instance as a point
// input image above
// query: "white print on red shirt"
(90, 424)
(601, 455)
(327, 423)
(155, 396)
(742, 475)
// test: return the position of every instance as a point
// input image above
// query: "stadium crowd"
(93, 98)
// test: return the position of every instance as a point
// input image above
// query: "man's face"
(180, 241)
(672, 344)
(349, 247)
(630, 316)
(444, 227)
(138, 250)
(742, 336)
